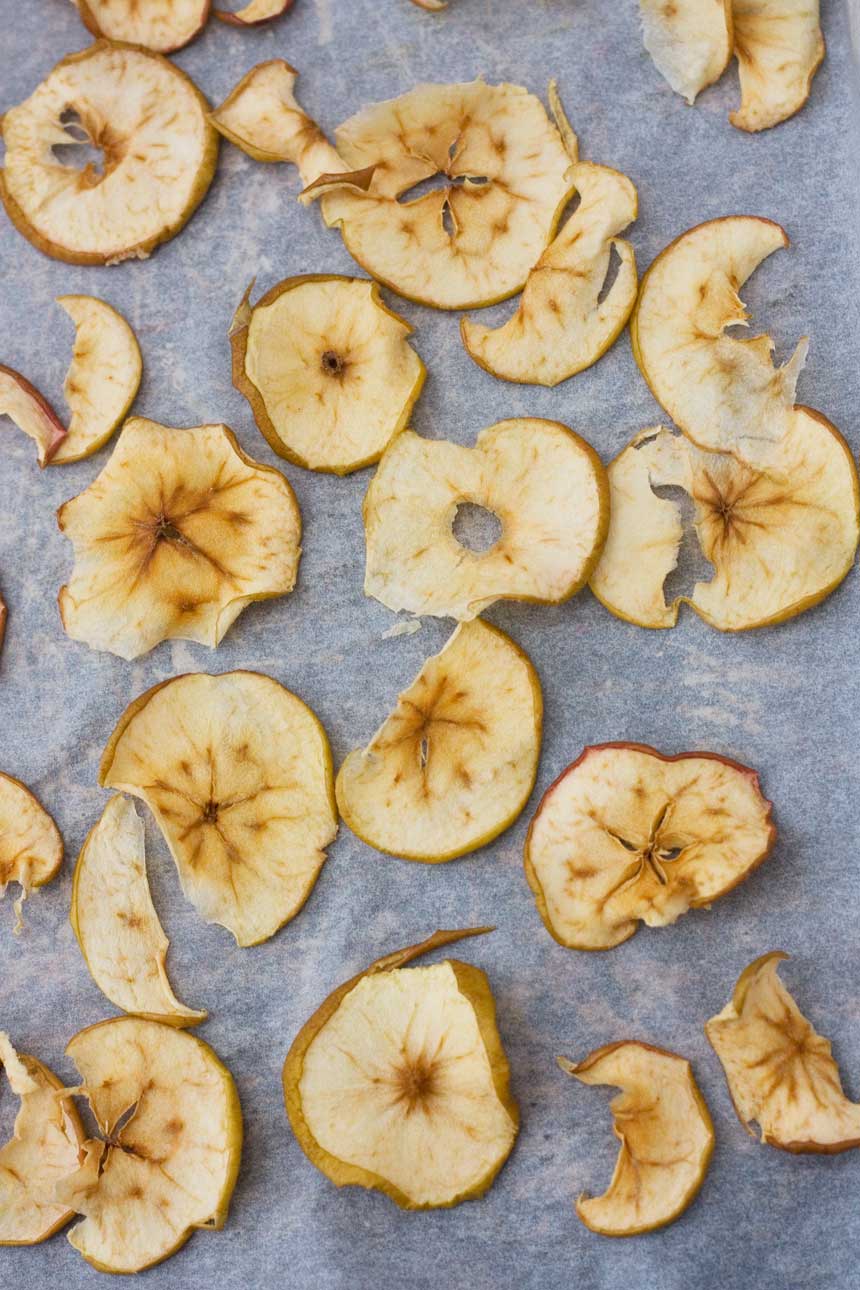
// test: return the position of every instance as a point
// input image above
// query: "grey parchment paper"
(785, 701)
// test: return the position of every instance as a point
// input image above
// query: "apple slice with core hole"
(255, 13)
(22, 403)
(779, 48)
(690, 41)
(262, 117)
(31, 849)
(159, 25)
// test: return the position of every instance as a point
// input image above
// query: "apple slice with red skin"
(31, 412)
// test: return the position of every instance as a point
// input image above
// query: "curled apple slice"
(399, 1081)
(779, 48)
(544, 484)
(45, 1147)
(114, 919)
(255, 13)
(327, 369)
(626, 834)
(159, 155)
(31, 849)
(262, 117)
(159, 25)
(176, 536)
(171, 1125)
(780, 1072)
(22, 403)
(564, 321)
(666, 1136)
(690, 41)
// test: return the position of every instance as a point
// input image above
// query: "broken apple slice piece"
(31, 849)
(545, 485)
(780, 1072)
(238, 774)
(690, 41)
(114, 919)
(22, 403)
(779, 48)
(666, 1136)
(176, 536)
(159, 25)
(455, 762)
(149, 120)
(626, 834)
(433, 6)
(399, 1081)
(564, 322)
(327, 369)
(255, 13)
(169, 1116)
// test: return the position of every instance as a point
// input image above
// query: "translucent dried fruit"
(176, 536)
(779, 48)
(262, 117)
(780, 1072)
(22, 403)
(626, 834)
(543, 482)
(690, 41)
(399, 1081)
(666, 1136)
(159, 25)
(254, 13)
(31, 849)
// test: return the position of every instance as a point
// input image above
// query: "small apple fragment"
(262, 117)
(31, 849)
(666, 1136)
(564, 322)
(255, 13)
(626, 834)
(167, 1161)
(780, 1071)
(159, 25)
(22, 403)
(327, 369)
(399, 1081)
(432, 6)
(176, 536)
(543, 482)
(690, 41)
(114, 919)
(149, 120)
(44, 1148)
(779, 48)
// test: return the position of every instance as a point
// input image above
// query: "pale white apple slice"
(159, 25)
(779, 48)
(22, 403)
(690, 41)
(31, 849)
(255, 13)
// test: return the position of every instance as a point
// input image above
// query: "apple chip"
(169, 1114)
(627, 835)
(780, 540)
(159, 25)
(114, 919)
(327, 369)
(262, 117)
(159, 155)
(399, 1081)
(176, 536)
(544, 484)
(238, 774)
(31, 849)
(780, 1072)
(690, 41)
(666, 1135)
(22, 403)
(564, 322)
(779, 48)
(254, 13)
(44, 1148)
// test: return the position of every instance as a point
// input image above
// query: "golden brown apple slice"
(31, 849)
(44, 1148)
(327, 369)
(254, 13)
(171, 1125)
(564, 323)
(666, 1136)
(159, 25)
(22, 403)
(399, 1081)
(455, 762)
(780, 540)
(238, 774)
(159, 155)
(780, 1072)
(114, 919)
(176, 536)
(544, 483)
(627, 835)
(690, 41)
(779, 48)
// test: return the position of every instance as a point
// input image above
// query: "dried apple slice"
(31, 849)
(780, 1072)
(169, 1114)
(176, 536)
(666, 1136)
(149, 120)
(779, 48)
(114, 919)
(399, 1081)
(327, 369)
(626, 834)
(690, 41)
(44, 1148)
(238, 774)
(159, 25)
(543, 482)
(564, 323)
(22, 403)
(254, 13)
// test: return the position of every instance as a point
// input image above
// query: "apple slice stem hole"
(81, 152)
(476, 528)
(691, 566)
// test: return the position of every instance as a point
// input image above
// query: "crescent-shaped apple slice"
(779, 48)
(399, 1081)
(31, 849)
(45, 1147)
(160, 25)
(780, 1071)
(666, 1136)
(255, 13)
(690, 41)
(22, 403)
(564, 321)
(114, 919)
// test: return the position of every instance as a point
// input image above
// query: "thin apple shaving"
(562, 124)
(160, 25)
(255, 13)
(31, 849)
(779, 48)
(690, 41)
(22, 403)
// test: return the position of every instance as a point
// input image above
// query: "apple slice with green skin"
(399, 1081)
(159, 25)
(780, 1072)
(690, 41)
(114, 919)
(31, 849)
(45, 1147)
(22, 403)
(255, 13)
(666, 1136)
(779, 48)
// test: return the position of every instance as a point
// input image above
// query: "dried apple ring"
(31, 849)
(690, 41)
(779, 48)
(159, 25)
